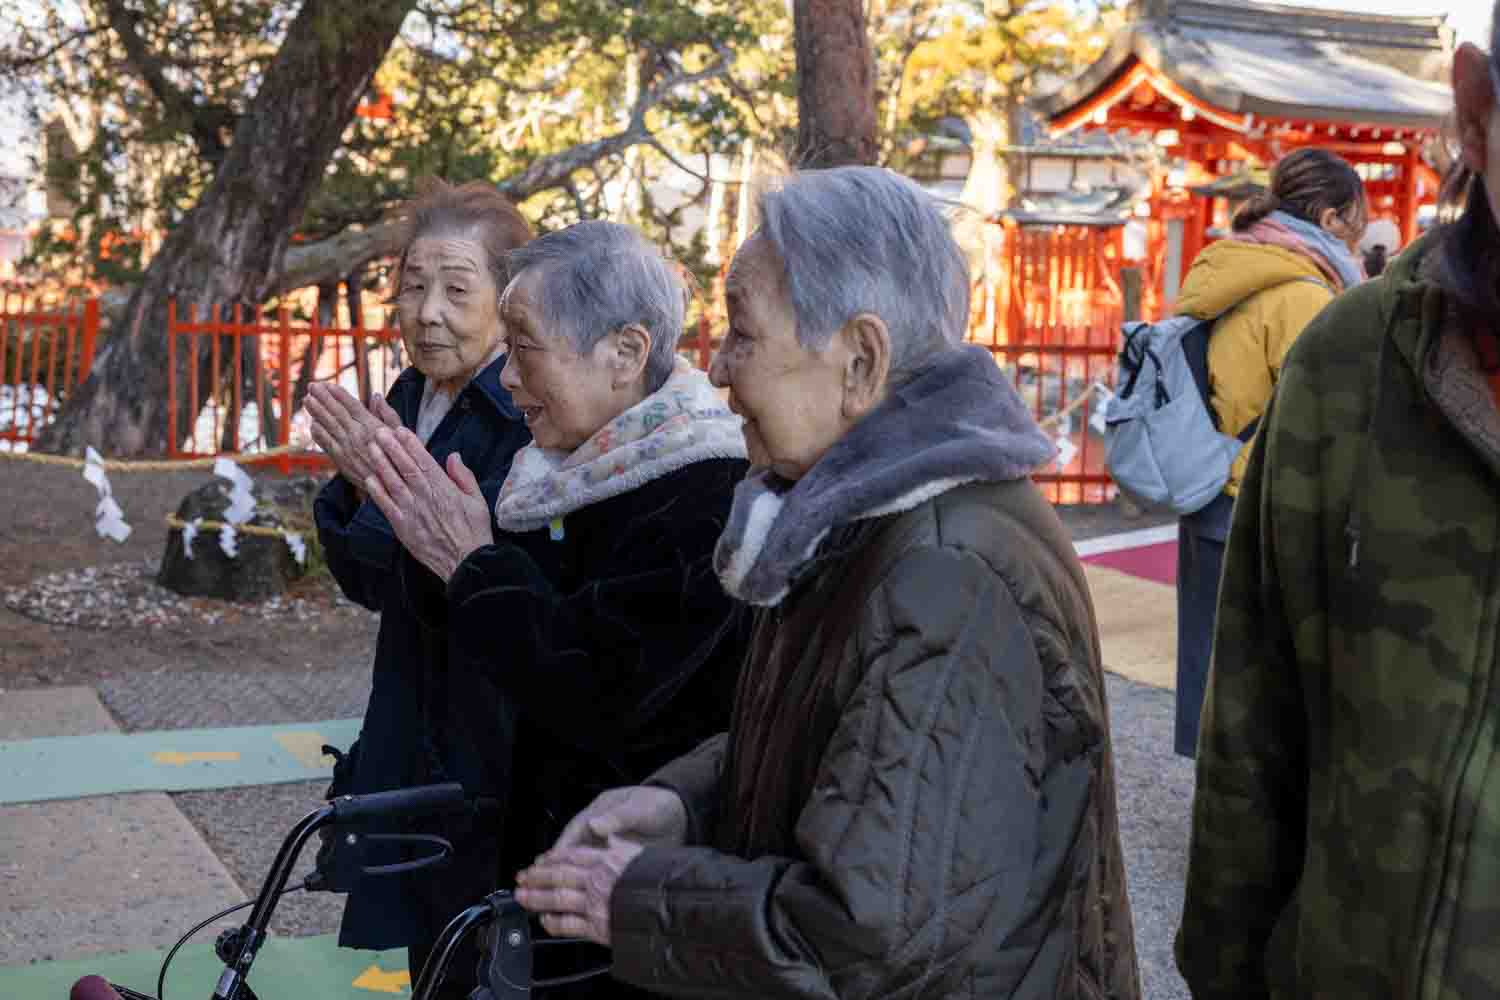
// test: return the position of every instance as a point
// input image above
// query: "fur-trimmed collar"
(959, 421)
(683, 422)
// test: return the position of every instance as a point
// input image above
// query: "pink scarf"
(1269, 232)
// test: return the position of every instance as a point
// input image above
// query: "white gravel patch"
(126, 595)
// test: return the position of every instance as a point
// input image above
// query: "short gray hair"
(864, 239)
(594, 278)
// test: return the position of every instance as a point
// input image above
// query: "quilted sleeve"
(919, 853)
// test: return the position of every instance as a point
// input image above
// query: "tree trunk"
(987, 190)
(835, 84)
(229, 247)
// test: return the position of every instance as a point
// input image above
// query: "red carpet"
(1149, 562)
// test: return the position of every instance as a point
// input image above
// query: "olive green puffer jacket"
(917, 797)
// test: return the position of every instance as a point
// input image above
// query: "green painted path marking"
(179, 760)
(313, 968)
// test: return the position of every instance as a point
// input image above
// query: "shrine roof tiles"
(1278, 62)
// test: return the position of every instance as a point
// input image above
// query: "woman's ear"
(1474, 99)
(630, 349)
(867, 363)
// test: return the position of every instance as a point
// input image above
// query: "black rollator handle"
(423, 799)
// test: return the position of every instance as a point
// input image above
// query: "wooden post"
(1407, 202)
(90, 337)
(172, 439)
(1130, 286)
(284, 360)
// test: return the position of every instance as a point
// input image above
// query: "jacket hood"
(959, 421)
(1406, 291)
(1228, 272)
(1408, 310)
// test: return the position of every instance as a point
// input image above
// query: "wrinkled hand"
(439, 516)
(343, 428)
(652, 817)
(570, 888)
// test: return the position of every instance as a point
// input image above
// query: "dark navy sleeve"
(358, 543)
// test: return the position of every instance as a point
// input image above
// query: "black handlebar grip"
(421, 800)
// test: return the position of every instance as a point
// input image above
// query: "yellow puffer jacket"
(1262, 303)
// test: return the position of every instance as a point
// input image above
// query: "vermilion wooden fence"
(1052, 320)
(1053, 323)
(247, 379)
(45, 350)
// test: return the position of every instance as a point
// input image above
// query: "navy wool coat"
(397, 744)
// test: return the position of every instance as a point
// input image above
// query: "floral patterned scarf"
(683, 422)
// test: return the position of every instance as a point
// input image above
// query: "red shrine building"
(1226, 86)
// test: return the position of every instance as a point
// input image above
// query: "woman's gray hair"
(594, 278)
(864, 239)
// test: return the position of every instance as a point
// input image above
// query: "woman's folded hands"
(437, 513)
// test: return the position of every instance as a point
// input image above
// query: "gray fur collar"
(959, 421)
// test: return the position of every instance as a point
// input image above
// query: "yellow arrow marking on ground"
(307, 746)
(179, 759)
(377, 980)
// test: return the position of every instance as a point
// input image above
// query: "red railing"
(45, 350)
(246, 386)
(1053, 321)
(1051, 318)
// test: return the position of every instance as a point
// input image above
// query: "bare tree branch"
(309, 264)
(18, 63)
(206, 123)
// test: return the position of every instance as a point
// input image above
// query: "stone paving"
(96, 875)
(114, 873)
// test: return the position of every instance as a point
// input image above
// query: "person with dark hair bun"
(1346, 822)
(452, 268)
(1292, 251)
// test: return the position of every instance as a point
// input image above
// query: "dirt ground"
(47, 527)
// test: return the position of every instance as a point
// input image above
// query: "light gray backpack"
(1162, 443)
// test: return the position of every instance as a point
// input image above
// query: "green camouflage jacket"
(1346, 826)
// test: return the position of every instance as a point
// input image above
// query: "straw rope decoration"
(110, 521)
(144, 465)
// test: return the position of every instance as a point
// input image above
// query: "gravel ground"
(1092, 520)
(126, 595)
(245, 827)
(1155, 793)
(188, 699)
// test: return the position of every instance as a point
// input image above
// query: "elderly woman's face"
(791, 398)
(448, 307)
(566, 396)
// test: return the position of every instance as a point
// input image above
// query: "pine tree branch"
(205, 123)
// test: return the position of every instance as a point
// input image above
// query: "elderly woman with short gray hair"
(915, 796)
(585, 603)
